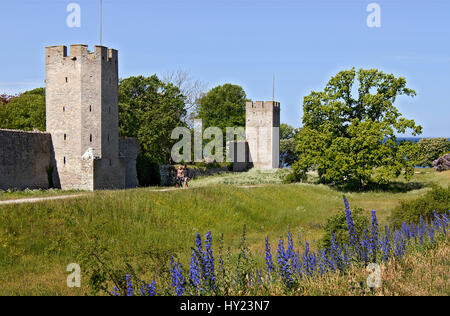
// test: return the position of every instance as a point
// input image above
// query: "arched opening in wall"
(64, 109)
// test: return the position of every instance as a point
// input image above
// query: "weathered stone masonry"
(24, 157)
(82, 141)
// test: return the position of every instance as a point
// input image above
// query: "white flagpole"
(273, 88)
(101, 22)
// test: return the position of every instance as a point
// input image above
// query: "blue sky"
(245, 42)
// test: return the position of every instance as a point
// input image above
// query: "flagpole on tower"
(101, 22)
(273, 88)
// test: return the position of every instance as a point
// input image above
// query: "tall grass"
(210, 274)
(142, 227)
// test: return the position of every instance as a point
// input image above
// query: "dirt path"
(35, 200)
(65, 197)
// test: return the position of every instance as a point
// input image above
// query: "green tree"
(149, 110)
(287, 145)
(433, 148)
(24, 112)
(223, 106)
(351, 140)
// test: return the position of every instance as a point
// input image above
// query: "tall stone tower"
(82, 117)
(263, 134)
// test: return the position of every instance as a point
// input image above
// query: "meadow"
(144, 227)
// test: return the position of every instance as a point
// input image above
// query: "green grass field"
(38, 241)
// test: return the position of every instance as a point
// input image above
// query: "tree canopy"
(24, 112)
(149, 110)
(287, 145)
(223, 106)
(351, 140)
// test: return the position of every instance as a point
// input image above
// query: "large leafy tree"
(351, 139)
(223, 106)
(287, 145)
(24, 112)
(149, 110)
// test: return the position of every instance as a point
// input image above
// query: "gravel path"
(35, 200)
(65, 197)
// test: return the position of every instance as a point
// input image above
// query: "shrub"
(147, 171)
(294, 177)
(442, 163)
(438, 199)
(433, 148)
(337, 225)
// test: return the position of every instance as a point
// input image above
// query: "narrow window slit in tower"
(65, 136)
(67, 80)
(90, 108)
(64, 160)
(90, 138)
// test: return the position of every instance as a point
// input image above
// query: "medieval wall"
(24, 157)
(129, 150)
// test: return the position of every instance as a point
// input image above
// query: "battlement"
(263, 105)
(81, 50)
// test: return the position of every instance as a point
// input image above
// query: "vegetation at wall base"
(147, 171)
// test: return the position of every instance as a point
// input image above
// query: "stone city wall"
(24, 157)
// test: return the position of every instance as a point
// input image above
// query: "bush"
(433, 148)
(438, 199)
(337, 225)
(294, 177)
(147, 171)
(442, 163)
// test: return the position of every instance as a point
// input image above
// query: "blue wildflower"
(365, 248)
(211, 277)
(194, 271)
(269, 261)
(373, 249)
(350, 223)
(129, 281)
(151, 289)
(177, 277)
